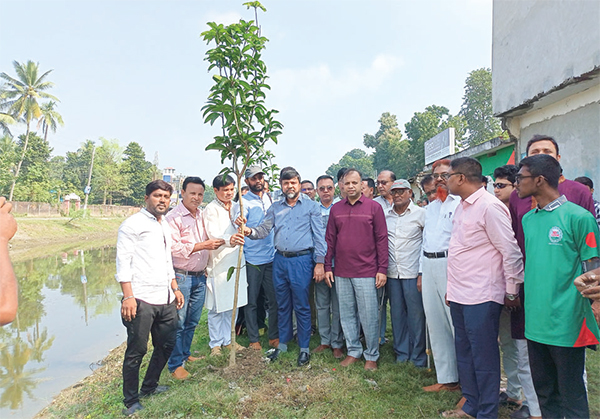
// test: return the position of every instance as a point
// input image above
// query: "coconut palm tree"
(50, 118)
(20, 96)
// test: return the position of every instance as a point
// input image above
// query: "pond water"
(68, 320)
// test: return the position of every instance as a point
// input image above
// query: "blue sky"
(134, 70)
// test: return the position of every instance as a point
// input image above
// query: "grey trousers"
(328, 315)
(358, 297)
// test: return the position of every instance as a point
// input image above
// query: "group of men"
(455, 267)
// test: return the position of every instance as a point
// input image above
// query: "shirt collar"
(251, 195)
(554, 204)
(324, 207)
(147, 214)
(360, 199)
(475, 196)
(182, 209)
(408, 209)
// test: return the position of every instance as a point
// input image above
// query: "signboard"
(442, 145)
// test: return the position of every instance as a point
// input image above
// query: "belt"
(436, 255)
(191, 273)
(295, 254)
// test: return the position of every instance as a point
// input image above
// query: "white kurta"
(219, 295)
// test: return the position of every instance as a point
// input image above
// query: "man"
(259, 260)
(308, 188)
(405, 222)
(485, 269)
(299, 256)
(436, 239)
(515, 358)
(189, 251)
(429, 188)
(340, 179)
(559, 323)
(584, 180)
(151, 296)
(368, 187)
(357, 240)
(9, 299)
(328, 309)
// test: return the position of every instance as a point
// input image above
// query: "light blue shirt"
(325, 213)
(296, 228)
(258, 252)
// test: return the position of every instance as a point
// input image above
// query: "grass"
(254, 388)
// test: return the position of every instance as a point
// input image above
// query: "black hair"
(341, 173)
(158, 184)
(508, 172)
(392, 174)
(469, 167)
(193, 179)
(426, 181)
(308, 181)
(584, 180)
(543, 165)
(484, 179)
(370, 182)
(323, 177)
(288, 173)
(353, 171)
(537, 138)
(220, 181)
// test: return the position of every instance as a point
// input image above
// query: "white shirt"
(144, 258)
(405, 237)
(385, 204)
(438, 225)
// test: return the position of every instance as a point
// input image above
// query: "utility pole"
(88, 188)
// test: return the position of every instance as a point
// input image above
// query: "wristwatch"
(512, 297)
(176, 289)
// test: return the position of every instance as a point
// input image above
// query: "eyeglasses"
(430, 192)
(325, 188)
(395, 192)
(519, 178)
(502, 185)
(444, 176)
(308, 189)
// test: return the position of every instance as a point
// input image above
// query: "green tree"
(237, 101)
(8, 162)
(137, 173)
(477, 108)
(50, 119)
(357, 159)
(76, 168)
(21, 98)
(389, 146)
(34, 182)
(56, 167)
(5, 121)
(107, 178)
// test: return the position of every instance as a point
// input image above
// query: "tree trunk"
(237, 279)
(12, 187)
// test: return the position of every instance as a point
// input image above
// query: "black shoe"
(522, 413)
(129, 411)
(157, 390)
(273, 354)
(303, 359)
(506, 402)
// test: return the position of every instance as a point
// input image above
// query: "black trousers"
(557, 374)
(161, 322)
(260, 276)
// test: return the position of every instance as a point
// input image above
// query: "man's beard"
(442, 193)
(257, 187)
(291, 195)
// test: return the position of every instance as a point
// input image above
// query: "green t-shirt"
(555, 243)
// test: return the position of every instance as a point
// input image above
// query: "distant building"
(546, 77)
(168, 174)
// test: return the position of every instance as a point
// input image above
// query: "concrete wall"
(578, 136)
(540, 44)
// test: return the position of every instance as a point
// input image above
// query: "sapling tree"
(237, 102)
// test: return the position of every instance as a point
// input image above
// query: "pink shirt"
(484, 260)
(186, 231)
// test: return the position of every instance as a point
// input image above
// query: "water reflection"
(67, 320)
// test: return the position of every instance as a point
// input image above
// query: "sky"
(134, 70)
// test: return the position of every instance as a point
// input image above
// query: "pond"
(68, 320)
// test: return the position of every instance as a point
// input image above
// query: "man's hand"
(247, 231)
(237, 239)
(240, 220)
(8, 225)
(596, 310)
(329, 279)
(179, 299)
(420, 283)
(446, 299)
(319, 272)
(588, 284)
(513, 305)
(129, 309)
(380, 280)
(213, 244)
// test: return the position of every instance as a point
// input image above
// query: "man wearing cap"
(259, 259)
(405, 222)
(434, 264)
(189, 250)
(357, 240)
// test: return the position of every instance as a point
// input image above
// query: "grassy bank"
(257, 389)
(38, 237)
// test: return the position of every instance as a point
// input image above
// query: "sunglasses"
(325, 188)
(502, 185)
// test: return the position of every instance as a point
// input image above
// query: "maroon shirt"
(357, 239)
(576, 193)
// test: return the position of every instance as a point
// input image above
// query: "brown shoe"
(436, 388)
(370, 365)
(348, 361)
(338, 353)
(456, 413)
(216, 351)
(180, 374)
(238, 347)
(255, 345)
(273, 343)
(320, 349)
(194, 358)
(461, 403)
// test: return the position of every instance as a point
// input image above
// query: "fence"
(42, 209)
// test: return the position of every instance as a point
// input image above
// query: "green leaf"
(230, 272)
